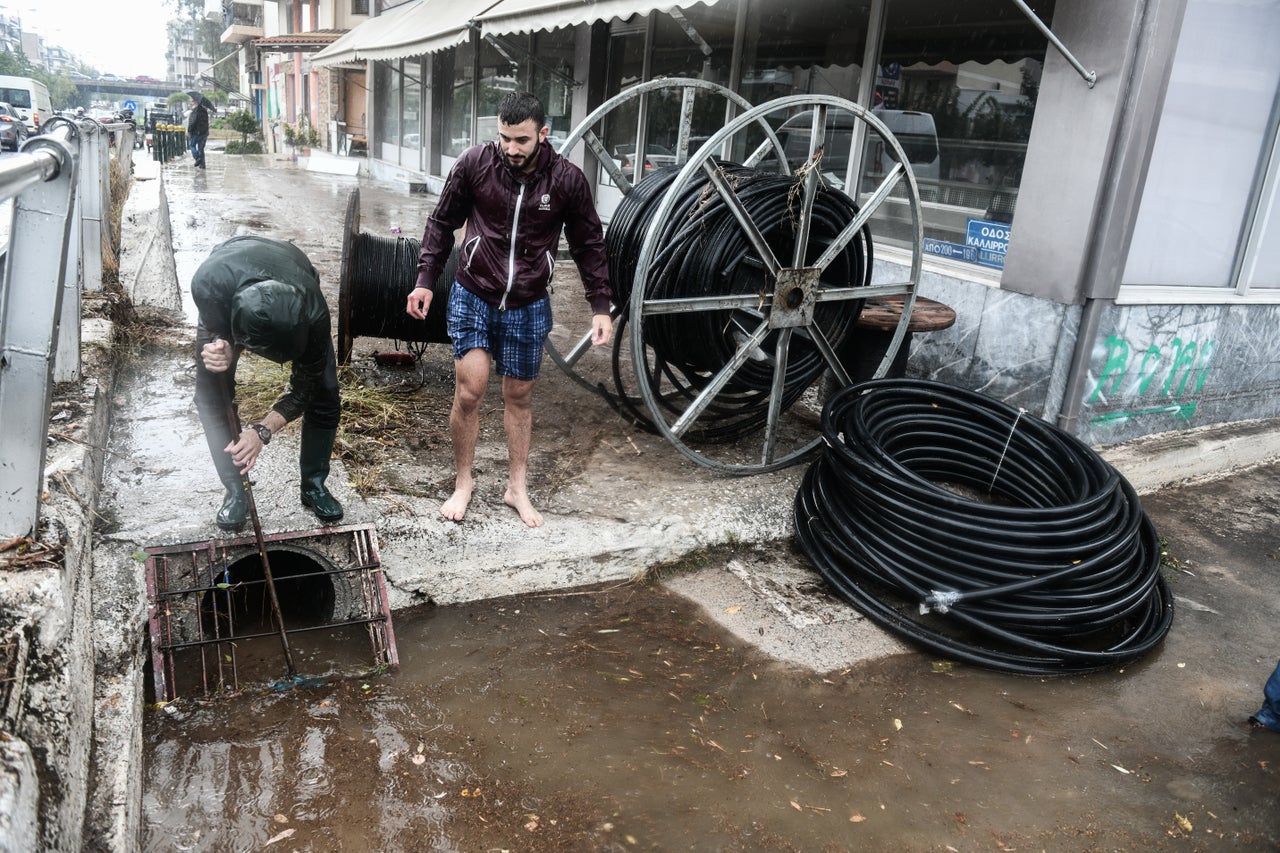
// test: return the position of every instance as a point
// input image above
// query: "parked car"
(655, 157)
(13, 130)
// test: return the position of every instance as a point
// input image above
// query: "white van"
(29, 98)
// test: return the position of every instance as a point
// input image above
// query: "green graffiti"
(1150, 367)
(1117, 361)
(1183, 363)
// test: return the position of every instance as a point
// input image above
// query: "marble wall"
(1153, 368)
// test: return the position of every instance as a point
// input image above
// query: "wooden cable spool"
(375, 279)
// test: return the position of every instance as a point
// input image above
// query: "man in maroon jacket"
(516, 195)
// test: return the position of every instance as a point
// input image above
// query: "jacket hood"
(268, 318)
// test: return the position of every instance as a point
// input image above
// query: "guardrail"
(60, 184)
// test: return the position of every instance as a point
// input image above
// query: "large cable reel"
(780, 330)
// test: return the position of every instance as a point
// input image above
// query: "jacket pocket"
(469, 250)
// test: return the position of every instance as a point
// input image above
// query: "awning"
(412, 29)
(304, 42)
(527, 16)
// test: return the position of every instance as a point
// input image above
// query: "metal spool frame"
(777, 316)
(789, 309)
(689, 89)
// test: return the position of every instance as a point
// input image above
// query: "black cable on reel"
(1054, 569)
(383, 271)
(705, 252)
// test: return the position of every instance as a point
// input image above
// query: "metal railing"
(59, 183)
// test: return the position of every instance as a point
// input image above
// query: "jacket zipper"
(511, 257)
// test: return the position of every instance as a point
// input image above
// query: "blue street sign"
(130, 105)
(953, 251)
(989, 240)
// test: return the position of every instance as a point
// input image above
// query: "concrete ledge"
(48, 606)
(1171, 458)
(18, 796)
(147, 269)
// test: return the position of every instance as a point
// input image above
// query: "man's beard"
(526, 162)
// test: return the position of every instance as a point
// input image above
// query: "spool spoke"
(781, 351)
(839, 294)
(685, 128)
(731, 200)
(744, 301)
(805, 220)
(877, 198)
(699, 405)
(606, 162)
(819, 339)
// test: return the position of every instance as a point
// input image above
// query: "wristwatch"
(263, 432)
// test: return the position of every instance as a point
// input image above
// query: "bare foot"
(456, 507)
(522, 504)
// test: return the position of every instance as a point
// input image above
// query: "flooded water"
(620, 718)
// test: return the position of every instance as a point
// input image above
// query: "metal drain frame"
(191, 570)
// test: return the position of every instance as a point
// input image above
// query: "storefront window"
(958, 91)
(695, 43)
(499, 76)
(803, 47)
(1216, 132)
(553, 80)
(411, 123)
(387, 97)
(457, 102)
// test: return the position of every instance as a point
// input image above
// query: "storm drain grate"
(211, 629)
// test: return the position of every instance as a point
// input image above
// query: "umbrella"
(201, 100)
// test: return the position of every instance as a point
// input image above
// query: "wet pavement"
(704, 712)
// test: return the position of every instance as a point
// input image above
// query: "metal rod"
(1090, 77)
(233, 421)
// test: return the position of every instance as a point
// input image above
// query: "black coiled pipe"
(383, 271)
(1035, 557)
(703, 251)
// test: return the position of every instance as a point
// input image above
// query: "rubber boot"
(313, 462)
(234, 509)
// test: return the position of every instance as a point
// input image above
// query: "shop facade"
(1097, 200)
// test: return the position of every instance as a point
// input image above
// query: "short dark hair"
(519, 107)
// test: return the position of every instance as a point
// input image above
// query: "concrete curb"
(1176, 458)
(113, 814)
(48, 727)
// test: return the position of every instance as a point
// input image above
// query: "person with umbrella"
(198, 126)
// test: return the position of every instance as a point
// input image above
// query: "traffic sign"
(130, 105)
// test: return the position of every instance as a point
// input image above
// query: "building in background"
(187, 56)
(275, 40)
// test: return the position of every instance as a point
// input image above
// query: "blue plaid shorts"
(513, 337)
